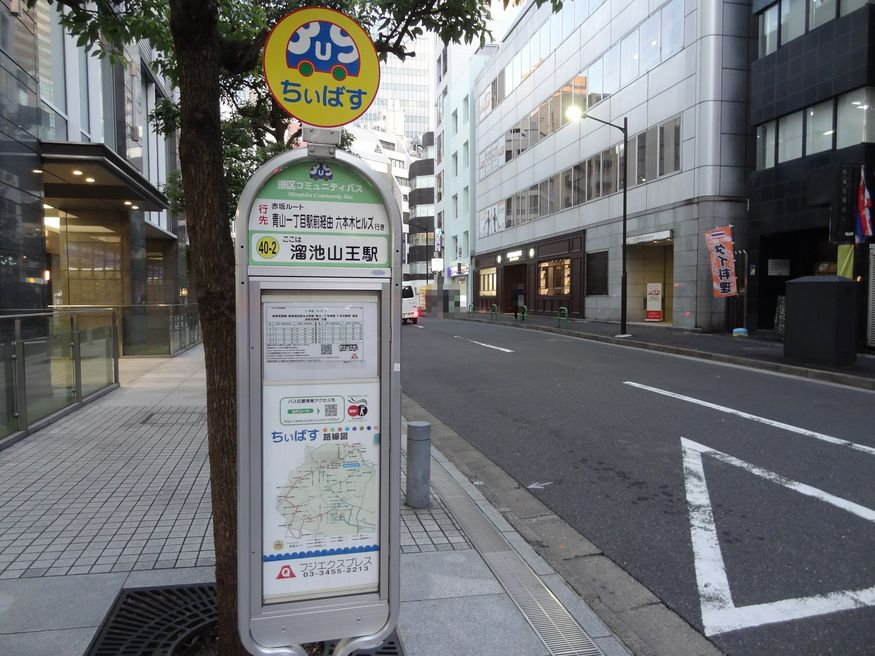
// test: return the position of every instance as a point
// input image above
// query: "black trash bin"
(821, 321)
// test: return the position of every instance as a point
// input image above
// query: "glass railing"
(51, 360)
(155, 329)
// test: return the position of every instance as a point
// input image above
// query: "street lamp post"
(623, 286)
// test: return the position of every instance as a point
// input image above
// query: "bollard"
(418, 463)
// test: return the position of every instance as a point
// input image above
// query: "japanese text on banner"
(722, 254)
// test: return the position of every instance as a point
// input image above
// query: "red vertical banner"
(720, 249)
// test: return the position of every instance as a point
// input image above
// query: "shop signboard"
(653, 304)
(318, 403)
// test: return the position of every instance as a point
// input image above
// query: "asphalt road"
(744, 500)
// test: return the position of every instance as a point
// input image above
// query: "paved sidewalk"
(761, 349)
(116, 495)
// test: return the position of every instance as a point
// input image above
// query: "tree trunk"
(193, 25)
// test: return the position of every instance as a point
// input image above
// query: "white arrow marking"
(539, 486)
(762, 420)
(490, 346)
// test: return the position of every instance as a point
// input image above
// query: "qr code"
(326, 349)
(330, 409)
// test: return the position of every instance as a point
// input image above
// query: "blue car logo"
(320, 46)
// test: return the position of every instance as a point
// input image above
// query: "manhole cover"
(153, 621)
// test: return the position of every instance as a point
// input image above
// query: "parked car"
(410, 310)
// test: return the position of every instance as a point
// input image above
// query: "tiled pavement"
(429, 529)
(107, 489)
(116, 495)
(131, 492)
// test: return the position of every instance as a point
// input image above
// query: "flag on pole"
(864, 210)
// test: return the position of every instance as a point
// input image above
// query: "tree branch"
(241, 55)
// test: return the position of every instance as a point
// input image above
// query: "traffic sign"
(321, 67)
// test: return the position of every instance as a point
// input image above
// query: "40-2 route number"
(268, 247)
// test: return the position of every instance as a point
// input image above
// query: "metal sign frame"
(361, 621)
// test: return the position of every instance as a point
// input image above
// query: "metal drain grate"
(553, 624)
(152, 621)
(558, 630)
(391, 647)
(174, 417)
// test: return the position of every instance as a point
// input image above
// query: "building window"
(554, 278)
(597, 273)
(567, 188)
(819, 128)
(455, 121)
(672, 28)
(611, 65)
(455, 160)
(820, 12)
(648, 43)
(51, 72)
(792, 20)
(455, 206)
(487, 282)
(465, 155)
(856, 118)
(595, 80)
(852, 5)
(465, 110)
(579, 183)
(593, 177)
(768, 31)
(766, 146)
(609, 171)
(629, 58)
(670, 146)
(790, 137)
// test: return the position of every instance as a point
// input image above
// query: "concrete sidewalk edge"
(635, 615)
(823, 375)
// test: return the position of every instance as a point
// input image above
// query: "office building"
(550, 177)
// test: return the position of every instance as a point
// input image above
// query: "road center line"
(768, 422)
(497, 348)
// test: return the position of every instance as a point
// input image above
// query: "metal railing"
(52, 362)
(157, 329)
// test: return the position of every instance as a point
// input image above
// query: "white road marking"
(719, 613)
(539, 486)
(768, 422)
(490, 346)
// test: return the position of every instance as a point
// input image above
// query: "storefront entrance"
(514, 275)
(651, 265)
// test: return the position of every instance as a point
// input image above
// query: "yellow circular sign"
(321, 67)
(268, 247)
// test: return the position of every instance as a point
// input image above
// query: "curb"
(823, 375)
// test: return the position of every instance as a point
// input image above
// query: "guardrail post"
(418, 463)
(562, 315)
(524, 312)
(471, 310)
(76, 348)
(114, 332)
(20, 379)
(493, 312)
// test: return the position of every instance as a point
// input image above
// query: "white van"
(409, 305)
